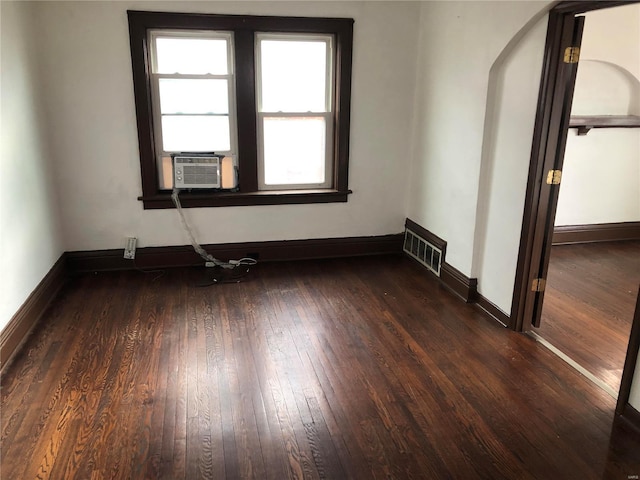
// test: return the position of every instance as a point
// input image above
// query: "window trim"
(244, 28)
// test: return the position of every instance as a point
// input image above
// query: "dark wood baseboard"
(600, 232)
(492, 310)
(463, 286)
(458, 283)
(184, 255)
(28, 315)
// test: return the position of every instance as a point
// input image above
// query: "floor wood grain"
(353, 368)
(589, 303)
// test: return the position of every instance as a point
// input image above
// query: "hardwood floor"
(589, 303)
(353, 368)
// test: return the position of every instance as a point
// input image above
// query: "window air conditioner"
(196, 171)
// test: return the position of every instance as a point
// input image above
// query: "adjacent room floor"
(589, 304)
(355, 368)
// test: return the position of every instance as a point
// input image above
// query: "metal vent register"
(426, 253)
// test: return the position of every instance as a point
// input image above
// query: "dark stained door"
(552, 147)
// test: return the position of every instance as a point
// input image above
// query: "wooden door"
(561, 64)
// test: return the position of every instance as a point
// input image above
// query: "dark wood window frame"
(244, 29)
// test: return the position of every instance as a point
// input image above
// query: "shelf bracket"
(583, 130)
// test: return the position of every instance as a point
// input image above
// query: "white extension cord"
(210, 260)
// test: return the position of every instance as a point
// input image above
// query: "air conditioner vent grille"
(426, 253)
(201, 178)
(196, 172)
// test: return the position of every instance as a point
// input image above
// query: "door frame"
(534, 250)
(623, 408)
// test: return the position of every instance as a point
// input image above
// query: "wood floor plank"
(212, 461)
(589, 303)
(197, 409)
(244, 381)
(179, 440)
(174, 315)
(326, 386)
(382, 382)
(157, 400)
(362, 381)
(229, 397)
(287, 363)
(335, 369)
(55, 414)
(21, 385)
(464, 358)
(270, 432)
(302, 382)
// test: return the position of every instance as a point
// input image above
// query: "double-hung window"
(272, 93)
(193, 95)
(294, 111)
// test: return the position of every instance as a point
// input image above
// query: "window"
(273, 93)
(294, 111)
(192, 95)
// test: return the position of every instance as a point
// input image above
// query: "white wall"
(634, 396)
(459, 44)
(601, 173)
(515, 82)
(90, 107)
(30, 239)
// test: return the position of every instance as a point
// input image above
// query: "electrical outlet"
(130, 249)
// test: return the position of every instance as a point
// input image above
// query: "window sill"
(236, 199)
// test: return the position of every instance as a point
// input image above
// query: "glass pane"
(195, 134)
(191, 55)
(294, 150)
(194, 96)
(293, 75)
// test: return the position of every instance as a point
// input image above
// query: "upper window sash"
(177, 34)
(329, 60)
(182, 71)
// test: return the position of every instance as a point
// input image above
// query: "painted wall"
(460, 42)
(634, 396)
(90, 110)
(506, 151)
(601, 173)
(30, 239)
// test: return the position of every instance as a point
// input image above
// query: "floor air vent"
(426, 253)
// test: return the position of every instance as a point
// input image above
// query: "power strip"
(130, 249)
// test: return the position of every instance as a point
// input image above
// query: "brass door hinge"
(538, 284)
(553, 177)
(571, 54)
